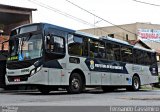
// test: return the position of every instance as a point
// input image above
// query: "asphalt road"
(89, 98)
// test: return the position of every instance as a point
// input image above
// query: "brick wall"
(2, 39)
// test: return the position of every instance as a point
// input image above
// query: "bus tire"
(135, 84)
(44, 90)
(75, 84)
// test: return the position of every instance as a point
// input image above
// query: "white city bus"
(53, 57)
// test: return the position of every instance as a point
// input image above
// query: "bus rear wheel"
(135, 84)
(75, 84)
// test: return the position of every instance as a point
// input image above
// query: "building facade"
(10, 17)
(146, 32)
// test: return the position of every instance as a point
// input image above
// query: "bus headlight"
(35, 70)
(38, 69)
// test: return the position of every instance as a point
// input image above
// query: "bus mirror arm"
(47, 41)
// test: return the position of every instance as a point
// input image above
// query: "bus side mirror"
(47, 42)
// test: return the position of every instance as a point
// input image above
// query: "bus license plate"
(17, 80)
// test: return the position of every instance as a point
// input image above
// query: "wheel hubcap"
(136, 84)
(75, 83)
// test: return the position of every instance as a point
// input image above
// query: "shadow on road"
(63, 92)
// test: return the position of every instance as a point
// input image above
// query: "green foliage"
(157, 84)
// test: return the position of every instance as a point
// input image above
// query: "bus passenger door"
(55, 54)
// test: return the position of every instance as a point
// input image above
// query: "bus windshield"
(25, 47)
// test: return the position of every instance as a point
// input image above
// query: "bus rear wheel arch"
(76, 84)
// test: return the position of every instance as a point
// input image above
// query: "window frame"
(132, 59)
(82, 44)
(98, 50)
(111, 47)
(54, 52)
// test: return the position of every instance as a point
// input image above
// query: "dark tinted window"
(138, 56)
(153, 58)
(97, 49)
(147, 58)
(56, 44)
(113, 52)
(93, 48)
(126, 54)
(109, 52)
(85, 46)
(116, 50)
(102, 51)
(75, 45)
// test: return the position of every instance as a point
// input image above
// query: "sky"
(115, 11)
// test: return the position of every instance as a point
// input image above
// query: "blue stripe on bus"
(106, 66)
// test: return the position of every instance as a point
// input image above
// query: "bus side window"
(109, 52)
(153, 58)
(138, 56)
(126, 54)
(55, 44)
(85, 46)
(93, 53)
(113, 52)
(147, 58)
(102, 51)
(75, 45)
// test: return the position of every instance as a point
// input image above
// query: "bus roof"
(86, 34)
(125, 43)
(46, 25)
(115, 40)
(141, 48)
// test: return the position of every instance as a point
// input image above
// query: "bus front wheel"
(75, 84)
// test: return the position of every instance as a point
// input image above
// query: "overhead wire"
(81, 20)
(67, 15)
(147, 3)
(60, 12)
(106, 20)
(98, 16)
